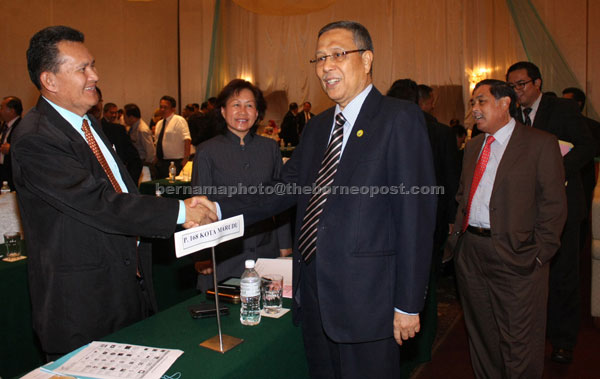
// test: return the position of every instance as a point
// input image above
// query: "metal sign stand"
(221, 342)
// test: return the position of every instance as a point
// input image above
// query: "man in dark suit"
(512, 208)
(10, 112)
(447, 173)
(88, 273)
(289, 126)
(561, 118)
(361, 261)
(304, 116)
(118, 137)
(588, 172)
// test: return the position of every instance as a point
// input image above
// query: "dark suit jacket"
(447, 172)
(129, 155)
(289, 129)
(561, 117)
(528, 204)
(202, 127)
(81, 234)
(301, 119)
(373, 252)
(6, 167)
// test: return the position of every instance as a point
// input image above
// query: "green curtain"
(217, 73)
(543, 51)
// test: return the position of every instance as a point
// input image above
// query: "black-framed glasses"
(520, 85)
(336, 57)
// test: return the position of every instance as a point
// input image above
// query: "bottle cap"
(249, 263)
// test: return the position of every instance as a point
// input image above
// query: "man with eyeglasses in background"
(361, 261)
(561, 118)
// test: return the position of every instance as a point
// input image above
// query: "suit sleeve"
(551, 201)
(414, 209)
(54, 172)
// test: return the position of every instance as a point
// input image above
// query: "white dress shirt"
(480, 205)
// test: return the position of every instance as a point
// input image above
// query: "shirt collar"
(352, 110)
(11, 122)
(536, 104)
(75, 120)
(503, 134)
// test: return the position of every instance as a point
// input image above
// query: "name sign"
(203, 237)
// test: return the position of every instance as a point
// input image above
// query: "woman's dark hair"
(233, 88)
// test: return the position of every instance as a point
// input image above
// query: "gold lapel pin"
(360, 133)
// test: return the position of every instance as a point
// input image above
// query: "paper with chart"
(109, 360)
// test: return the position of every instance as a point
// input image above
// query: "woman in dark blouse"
(237, 159)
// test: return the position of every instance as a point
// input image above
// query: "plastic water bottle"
(172, 172)
(250, 295)
(5, 188)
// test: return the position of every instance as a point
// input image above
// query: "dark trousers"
(505, 312)
(162, 167)
(328, 359)
(564, 299)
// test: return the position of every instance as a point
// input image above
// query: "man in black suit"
(10, 112)
(447, 174)
(289, 126)
(588, 172)
(89, 273)
(561, 118)
(117, 135)
(304, 116)
(361, 261)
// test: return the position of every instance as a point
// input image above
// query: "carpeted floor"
(450, 356)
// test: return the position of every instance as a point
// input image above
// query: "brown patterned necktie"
(96, 150)
(307, 242)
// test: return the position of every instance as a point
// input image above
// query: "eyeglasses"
(336, 57)
(520, 85)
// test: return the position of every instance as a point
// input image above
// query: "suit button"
(127, 261)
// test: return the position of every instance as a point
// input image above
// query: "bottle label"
(249, 289)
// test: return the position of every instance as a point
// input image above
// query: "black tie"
(526, 112)
(307, 243)
(159, 148)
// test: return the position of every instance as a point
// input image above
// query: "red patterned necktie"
(479, 170)
(96, 150)
(307, 242)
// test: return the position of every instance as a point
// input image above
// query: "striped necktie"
(96, 150)
(307, 243)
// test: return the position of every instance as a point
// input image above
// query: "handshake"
(199, 211)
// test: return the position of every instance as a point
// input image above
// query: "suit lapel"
(511, 154)
(470, 161)
(79, 144)
(355, 144)
(542, 114)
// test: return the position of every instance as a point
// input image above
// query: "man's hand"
(285, 252)
(405, 326)
(5, 148)
(196, 213)
(204, 267)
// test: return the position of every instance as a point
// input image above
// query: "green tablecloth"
(174, 281)
(272, 349)
(19, 349)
